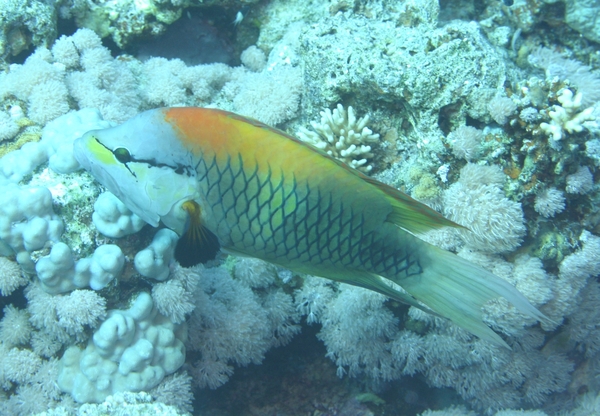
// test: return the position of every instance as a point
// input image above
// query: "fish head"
(144, 164)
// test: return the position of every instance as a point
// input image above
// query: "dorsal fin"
(407, 213)
(410, 214)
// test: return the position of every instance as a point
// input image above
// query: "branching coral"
(580, 182)
(466, 142)
(11, 276)
(232, 324)
(175, 390)
(364, 348)
(580, 75)
(446, 355)
(238, 318)
(254, 272)
(272, 97)
(495, 223)
(174, 298)
(549, 202)
(80, 308)
(62, 318)
(567, 118)
(500, 108)
(15, 328)
(341, 135)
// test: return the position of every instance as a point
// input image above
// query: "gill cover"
(145, 164)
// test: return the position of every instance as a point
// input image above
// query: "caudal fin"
(457, 289)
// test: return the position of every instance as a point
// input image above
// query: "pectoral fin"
(198, 244)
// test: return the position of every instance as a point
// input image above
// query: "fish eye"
(122, 155)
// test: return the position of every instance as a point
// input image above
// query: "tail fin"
(457, 289)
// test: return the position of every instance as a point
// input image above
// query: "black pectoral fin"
(196, 246)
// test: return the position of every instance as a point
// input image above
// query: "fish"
(263, 193)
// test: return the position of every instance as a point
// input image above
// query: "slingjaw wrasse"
(265, 194)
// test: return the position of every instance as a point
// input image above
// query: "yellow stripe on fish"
(265, 194)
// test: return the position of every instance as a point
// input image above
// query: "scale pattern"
(273, 216)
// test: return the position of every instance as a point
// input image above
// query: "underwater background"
(487, 111)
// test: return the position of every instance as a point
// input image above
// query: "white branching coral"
(254, 272)
(378, 346)
(466, 142)
(341, 135)
(234, 325)
(174, 298)
(364, 346)
(495, 223)
(15, 328)
(19, 365)
(501, 108)
(579, 75)
(574, 274)
(314, 296)
(580, 182)
(549, 202)
(175, 390)
(79, 309)
(42, 308)
(11, 276)
(567, 117)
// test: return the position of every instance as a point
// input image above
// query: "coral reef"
(487, 111)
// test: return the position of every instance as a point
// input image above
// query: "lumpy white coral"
(132, 350)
